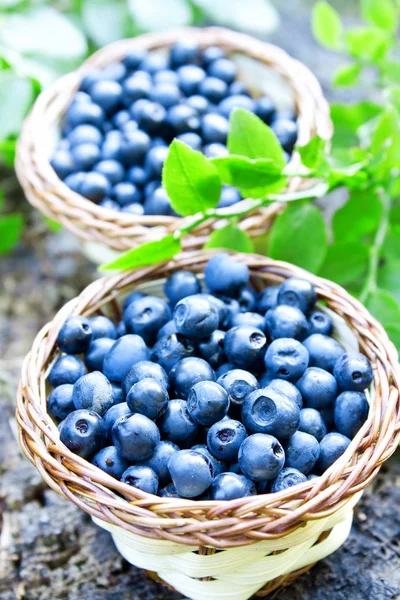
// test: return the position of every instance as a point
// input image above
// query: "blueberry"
(115, 72)
(251, 319)
(133, 209)
(151, 187)
(284, 321)
(167, 329)
(225, 438)
(85, 134)
(287, 359)
(83, 433)
(126, 193)
(155, 160)
(269, 411)
(66, 369)
(228, 311)
(207, 403)
(180, 285)
(118, 394)
(83, 97)
(286, 388)
(327, 413)
(106, 94)
(214, 128)
(141, 477)
(154, 62)
(102, 327)
(165, 93)
(121, 329)
(213, 89)
(323, 351)
(320, 322)
(224, 69)
(183, 118)
(196, 317)
(265, 109)
(165, 76)
(302, 452)
(158, 203)
(109, 461)
(59, 403)
(159, 461)
(212, 53)
(169, 491)
(190, 77)
(187, 372)
(148, 397)
(245, 346)
(261, 457)
(286, 132)
(235, 468)
(81, 113)
(224, 369)
(247, 299)
(193, 140)
(169, 350)
(238, 384)
(63, 163)
(75, 335)
(287, 478)
(95, 187)
(146, 316)
(96, 352)
(93, 392)
(127, 351)
(132, 297)
(267, 299)
(353, 371)
(299, 293)
(144, 370)
(191, 472)
(75, 180)
(137, 175)
(176, 425)
(238, 88)
(212, 349)
(133, 59)
(85, 156)
(229, 486)
(112, 169)
(213, 151)
(135, 437)
(225, 274)
(111, 149)
(312, 422)
(238, 101)
(351, 412)
(134, 147)
(152, 118)
(135, 88)
(183, 52)
(137, 108)
(109, 204)
(199, 103)
(318, 387)
(332, 446)
(218, 465)
(229, 194)
(121, 118)
(113, 414)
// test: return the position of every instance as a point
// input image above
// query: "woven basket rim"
(47, 192)
(214, 523)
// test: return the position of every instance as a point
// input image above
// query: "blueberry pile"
(216, 393)
(120, 122)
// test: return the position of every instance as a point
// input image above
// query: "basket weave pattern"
(173, 529)
(122, 231)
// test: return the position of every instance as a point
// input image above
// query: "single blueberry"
(102, 327)
(83, 432)
(158, 203)
(286, 132)
(299, 293)
(155, 160)
(81, 113)
(267, 299)
(115, 71)
(207, 403)
(223, 68)
(245, 346)
(270, 411)
(227, 312)
(137, 175)
(180, 285)
(169, 350)
(287, 478)
(183, 52)
(146, 316)
(113, 414)
(66, 369)
(261, 457)
(191, 472)
(151, 118)
(85, 156)
(287, 359)
(187, 372)
(59, 403)
(95, 187)
(229, 194)
(284, 321)
(109, 204)
(126, 193)
(176, 425)
(134, 147)
(212, 349)
(312, 422)
(251, 319)
(199, 103)
(112, 169)
(225, 438)
(214, 128)
(134, 57)
(165, 76)
(286, 388)
(75, 335)
(93, 392)
(265, 109)
(135, 88)
(165, 93)
(196, 317)
(213, 151)
(213, 89)
(159, 461)
(144, 370)
(320, 322)
(85, 134)
(183, 118)
(351, 412)
(107, 94)
(63, 163)
(218, 465)
(193, 140)
(94, 356)
(148, 397)
(238, 384)
(332, 446)
(225, 274)
(317, 387)
(229, 486)
(141, 477)
(153, 62)
(353, 371)
(126, 351)
(323, 351)
(247, 299)
(135, 437)
(212, 53)
(190, 77)
(238, 101)
(120, 118)
(302, 452)
(109, 461)
(75, 180)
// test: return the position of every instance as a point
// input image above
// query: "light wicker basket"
(213, 550)
(257, 62)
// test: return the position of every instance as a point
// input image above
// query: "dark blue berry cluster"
(118, 127)
(217, 392)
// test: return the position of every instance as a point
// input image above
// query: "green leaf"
(347, 75)
(390, 71)
(146, 254)
(52, 225)
(389, 276)
(395, 215)
(391, 244)
(158, 15)
(254, 178)
(231, 237)
(360, 216)
(345, 262)
(191, 181)
(313, 153)
(381, 13)
(1, 199)
(384, 307)
(11, 227)
(393, 331)
(348, 118)
(299, 236)
(386, 141)
(16, 95)
(368, 43)
(105, 21)
(7, 147)
(326, 25)
(248, 136)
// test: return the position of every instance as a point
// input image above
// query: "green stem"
(371, 282)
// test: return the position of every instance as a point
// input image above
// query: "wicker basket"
(122, 231)
(213, 550)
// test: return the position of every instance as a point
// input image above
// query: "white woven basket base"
(237, 573)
